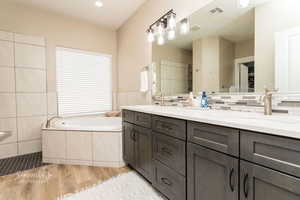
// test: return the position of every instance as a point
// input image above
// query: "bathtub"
(87, 140)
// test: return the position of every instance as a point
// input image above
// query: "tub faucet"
(267, 99)
(49, 121)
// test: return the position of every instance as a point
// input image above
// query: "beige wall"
(244, 48)
(271, 18)
(227, 56)
(171, 53)
(59, 31)
(206, 72)
(134, 52)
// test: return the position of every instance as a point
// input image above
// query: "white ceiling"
(113, 14)
(235, 24)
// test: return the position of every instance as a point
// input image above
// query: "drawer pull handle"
(133, 136)
(166, 181)
(230, 180)
(166, 150)
(246, 186)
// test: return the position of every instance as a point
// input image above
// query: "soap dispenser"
(204, 100)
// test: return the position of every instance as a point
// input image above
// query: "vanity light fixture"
(98, 4)
(184, 26)
(150, 35)
(160, 40)
(165, 24)
(244, 3)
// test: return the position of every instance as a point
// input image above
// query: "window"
(84, 82)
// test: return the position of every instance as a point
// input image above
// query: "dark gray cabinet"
(261, 183)
(211, 175)
(169, 182)
(128, 144)
(279, 153)
(219, 138)
(143, 151)
(170, 151)
(198, 161)
(169, 126)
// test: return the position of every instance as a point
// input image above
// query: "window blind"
(84, 82)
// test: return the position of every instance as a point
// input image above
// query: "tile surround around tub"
(8, 150)
(23, 93)
(9, 124)
(133, 98)
(29, 39)
(6, 53)
(82, 140)
(31, 146)
(52, 103)
(29, 128)
(7, 105)
(30, 80)
(7, 79)
(30, 104)
(30, 56)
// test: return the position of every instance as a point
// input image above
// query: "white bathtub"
(88, 140)
(89, 123)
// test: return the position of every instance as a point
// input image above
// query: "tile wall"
(24, 102)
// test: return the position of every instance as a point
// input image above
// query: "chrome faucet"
(49, 121)
(267, 99)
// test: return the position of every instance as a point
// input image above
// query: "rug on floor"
(128, 186)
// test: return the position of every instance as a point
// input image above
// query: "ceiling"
(234, 23)
(113, 14)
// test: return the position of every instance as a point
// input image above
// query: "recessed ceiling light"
(98, 4)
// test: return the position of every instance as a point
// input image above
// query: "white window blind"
(84, 82)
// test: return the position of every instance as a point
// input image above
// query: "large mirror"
(233, 49)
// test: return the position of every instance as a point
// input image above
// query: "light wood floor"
(52, 181)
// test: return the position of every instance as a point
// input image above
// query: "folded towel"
(113, 114)
(144, 81)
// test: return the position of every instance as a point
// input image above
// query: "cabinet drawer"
(142, 119)
(279, 153)
(173, 127)
(128, 116)
(218, 138)
(168, 182)
(169, 151)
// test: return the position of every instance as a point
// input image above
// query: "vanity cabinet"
(128, 144)
(261, 183)
(143, 151)
(137, 148)
(211, 175)
(199, 161)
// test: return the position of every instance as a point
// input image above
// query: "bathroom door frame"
(237, 63)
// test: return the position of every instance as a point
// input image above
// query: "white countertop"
(276, 124)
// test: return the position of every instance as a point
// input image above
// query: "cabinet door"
(143, 151)
(128, 144)
(260, 183)
(211, 175)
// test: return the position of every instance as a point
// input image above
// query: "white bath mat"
(128, 186)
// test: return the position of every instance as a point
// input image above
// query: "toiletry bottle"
(191, 98)
(204, 100)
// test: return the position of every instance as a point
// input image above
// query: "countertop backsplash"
(282, 103)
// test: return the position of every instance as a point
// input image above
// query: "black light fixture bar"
(163, 18)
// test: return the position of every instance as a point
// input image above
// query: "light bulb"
(160, 40)
(150, 35)
(98, 4)
(184, 26)
(171, 34)
(160, 28)
(244, 3)
(172, 21)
